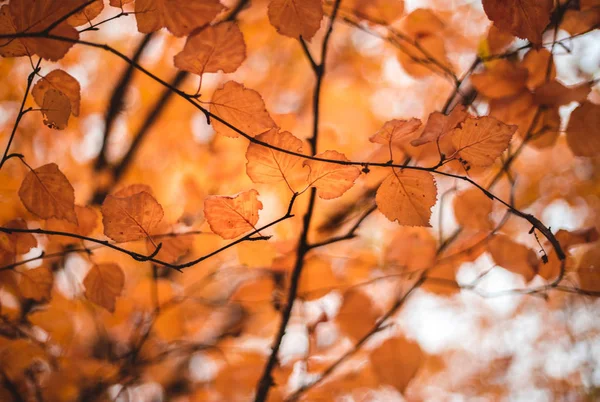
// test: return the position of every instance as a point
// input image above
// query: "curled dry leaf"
(480, 141)
(407, 196)
(500, 79)
(396, 361)
(56, 109)
(36, 283)
(47, 193)
(330, 179)
(472, 210)
(241, 107)
(295, 18)
(103, 284)
(513, 256)
(357, 315)
(130, 218)
(180, 17)
(214, 48)
(266, 165)
(61, 81)
(526, 19)
(583, 135)
(230, 217)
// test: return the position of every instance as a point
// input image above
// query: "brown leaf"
(241, 107)
(47, 193)
(588, 270)
(103, 284)
(230, 217)
(407, 196)
(214, 48)
(56, 109)
(396, 361)
(180, 17)
(472, 209)
(555, 94)
(357, 315)
(526, 19)
(480, 141)
(36, 283)
(583, 136)
(295, 18)
(130, 218)
(330, 179)
(9, 47)
(61, 81)
(86, 15)
(500, 79)
(513, 256)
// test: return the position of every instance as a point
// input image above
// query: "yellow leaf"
(230, 217)
(103, 284)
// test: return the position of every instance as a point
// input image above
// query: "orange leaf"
(130, 218)
(330, 179)
(119, 3)
(568, 238)
(230, 217)
(295, 18)
(241, 107)
(87, 218)
(56, 109)
(479, 141)
(86, 15)
(412, 249)
(396, 362)
(266, 165)
(357, 315)
(173, 247)
(103, 284)
(47, 193)
(472, 209)
(21, 243)
(377, 10)
(214, 48)
(536, 62)
(9, 47)
(554, 93)
(513, 256)
(588, 270)
(438, 125)
(133, 189)
(414, 59)
(500, 79)
(396, 132)
(36, 283)
(61, 81)
(180, 17)
(318, 279)
(407, 196)
(526, 19)
(583, 136)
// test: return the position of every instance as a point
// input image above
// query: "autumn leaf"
(214, 48)
(173, 247)
(407, 196)
(439, 125)
(241, 107)
(553, 93)
(377, 10)
(56, 109)
(582, 132)
(472, 209)
(526, 19)
(103, 284)
(20, 243)
(396, 133)
(86, 223)
(230, 217)
(396, 361)
(358, 315)
(9, 47)
(500, 79)
(61, 81)
(266, 165)
(513, 256)
(180, 17)
(36, 283)
(86, 15)
(296, 18)
(130, 218)
(47, 193)
(480, 141)
(412, 249)
(330, 179)
(536, 61)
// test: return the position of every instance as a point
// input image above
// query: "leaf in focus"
(56, 109)
(230, 217)
(180, 17)
(214, 48)
(526, 19)
(241, 107)
(583, 136)
(330, 179)
(295, 18)
(357, 315)
(36, 283)
(513, 256)
(396, 133)
(396, 362)
(103, 284)
(500, 79)
(9, 47)
(554, 93)
(407, 196)
(480, 141)
(61, 81)
(133, 189)
(439, 125)
(266, 165)
(472, 209)
(130, 218)
(86, 15)
(47, 193)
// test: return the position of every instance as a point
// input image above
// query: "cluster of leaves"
(151, 284)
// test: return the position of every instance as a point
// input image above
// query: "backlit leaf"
(295, 18)
(56, 109)
(330, 179)
(47, 193)
(396, 361)
(230, 217)
(513, 256)
(396, 132)
(130, 218)
(86, 15)
(61, 81)
(36, 283)
(439, 125)
(357, 316)
(526, 19)
(103, 284)
(472, 209)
